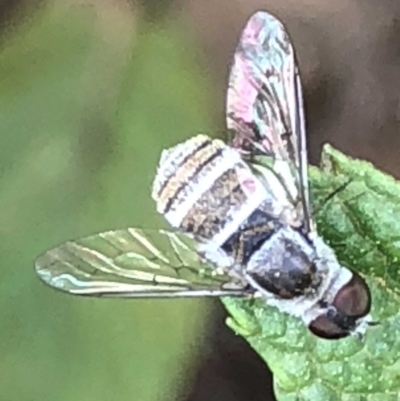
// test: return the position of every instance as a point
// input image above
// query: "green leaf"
(362, 224)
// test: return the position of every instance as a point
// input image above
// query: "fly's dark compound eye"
(353, 299)
(324, 326)
(352, 302)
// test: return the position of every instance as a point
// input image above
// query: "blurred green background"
(89, 95)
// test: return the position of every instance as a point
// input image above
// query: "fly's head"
(344, 311)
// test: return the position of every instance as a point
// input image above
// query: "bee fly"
(241, 211)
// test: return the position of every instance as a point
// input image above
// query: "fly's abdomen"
(204, 188)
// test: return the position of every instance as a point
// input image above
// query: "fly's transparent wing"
(133, 263)
(265, 110)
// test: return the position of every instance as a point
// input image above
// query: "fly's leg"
(331, 195)
(249, 241)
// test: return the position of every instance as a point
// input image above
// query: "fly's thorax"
(205, 189)
(333, 301)
(285, 266)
